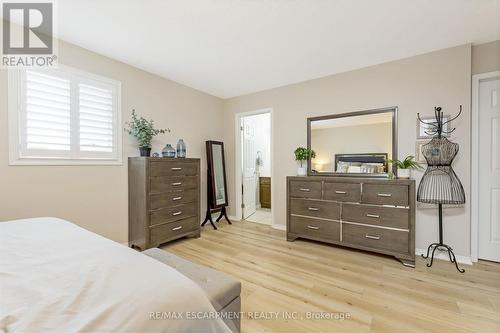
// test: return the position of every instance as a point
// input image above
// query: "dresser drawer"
(381, 194)
(342, 192)
(315, 208)
(382, 216)
(315, 228)
(167, 184)
(162, 233)
(170, 199)
(173, 168)
(166, 215)
(301, 189)
(375, 238)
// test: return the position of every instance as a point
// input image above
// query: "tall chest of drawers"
(164, 200)
(370, 214)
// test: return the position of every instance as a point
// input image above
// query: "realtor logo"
(27, 38)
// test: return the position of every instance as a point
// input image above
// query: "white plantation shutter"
(64, 115)
(97, 119)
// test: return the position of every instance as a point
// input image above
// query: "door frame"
(238, 165)
(474, 240)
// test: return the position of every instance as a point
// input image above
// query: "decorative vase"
(301, 171)
(145, 151)
(181, 149)
(168, 151)
(404, 173)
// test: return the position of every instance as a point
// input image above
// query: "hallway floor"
(262, 216)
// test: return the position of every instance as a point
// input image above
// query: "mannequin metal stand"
(441, 245)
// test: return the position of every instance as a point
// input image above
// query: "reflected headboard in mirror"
(345, 143)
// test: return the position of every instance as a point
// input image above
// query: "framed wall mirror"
(353, 144)
(216, 174)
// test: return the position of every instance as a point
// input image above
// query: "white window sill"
(63, 162)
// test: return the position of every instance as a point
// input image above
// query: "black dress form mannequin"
(440, 185)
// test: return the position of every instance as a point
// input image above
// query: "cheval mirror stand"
(216, 183)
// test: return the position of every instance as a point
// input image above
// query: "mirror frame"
(211, 174)
(393, 110)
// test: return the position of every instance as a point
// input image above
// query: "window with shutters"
(63, 116)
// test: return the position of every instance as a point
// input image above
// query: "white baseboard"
(279, 226)
(441, 255)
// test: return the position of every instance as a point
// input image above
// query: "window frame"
(17, 146)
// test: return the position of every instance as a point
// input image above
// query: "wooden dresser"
(364, 213)
(164, 200)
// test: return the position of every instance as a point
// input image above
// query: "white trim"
(278, 226)
(237, 163)
(474, 219)
(16, 92)
(442, 255)
(233, 218)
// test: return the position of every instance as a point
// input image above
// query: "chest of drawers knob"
(176, 213)
(177, 228)
(384, 195)
(376, 237)
(340, 192)
(305, 189)
(314, 209)
(176, 169)
(313, 227)
(176, 198)
(373, 216)
(177, 184)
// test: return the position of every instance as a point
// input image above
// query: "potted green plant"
(143, 130)
(301, 155)
(404, 167)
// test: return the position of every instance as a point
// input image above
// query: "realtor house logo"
(27, 34)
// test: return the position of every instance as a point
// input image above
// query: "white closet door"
(489, 170)
(249, 170)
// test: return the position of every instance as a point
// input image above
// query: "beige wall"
(486, 57)
(414, 84)
(95, 197)
(369, 138)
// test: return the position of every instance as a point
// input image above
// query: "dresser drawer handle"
(314, 209)
(385, 195)
(376, 237)
(176, 213)
(177, 198)
(177, 184)
(340, 192)
(313, 227)
(373, 216)
(176, 169)
(304, 189)
(177, 228)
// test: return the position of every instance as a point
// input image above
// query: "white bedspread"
(58, 277)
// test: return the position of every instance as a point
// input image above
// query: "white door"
(249, 170)
(489, 169)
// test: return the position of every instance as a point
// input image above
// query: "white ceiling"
(233, 47)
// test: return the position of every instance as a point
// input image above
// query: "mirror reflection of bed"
(361, 143)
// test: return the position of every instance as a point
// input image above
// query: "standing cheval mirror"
(216, 182)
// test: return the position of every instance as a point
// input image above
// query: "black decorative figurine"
(440, 185)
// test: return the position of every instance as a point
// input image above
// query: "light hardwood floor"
(379, 293)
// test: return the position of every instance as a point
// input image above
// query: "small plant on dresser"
(144, 131)
(301, 155)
